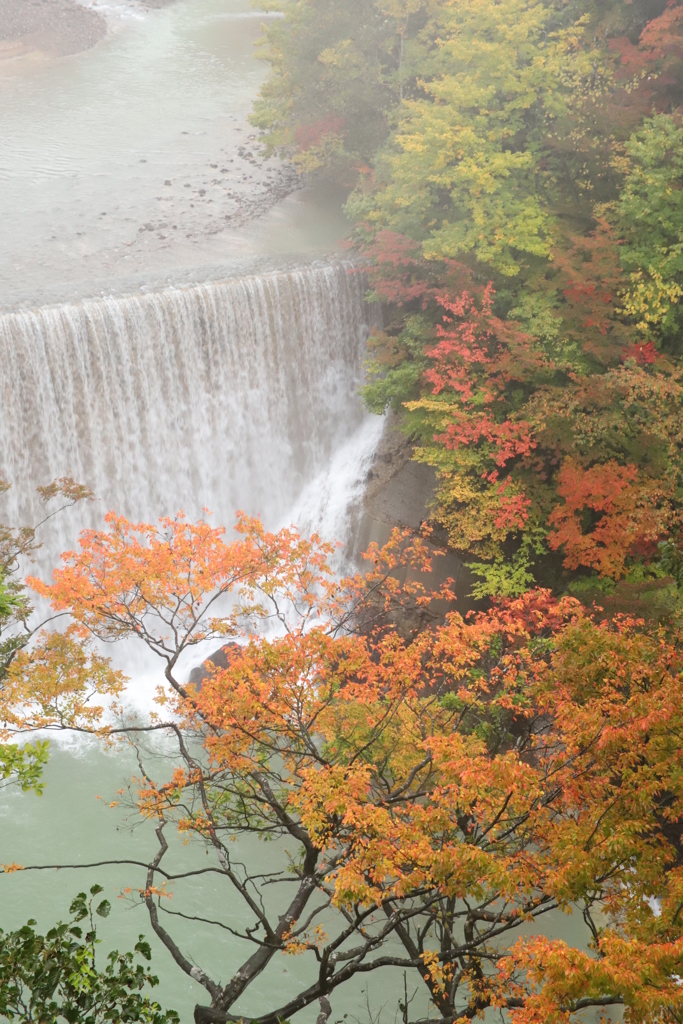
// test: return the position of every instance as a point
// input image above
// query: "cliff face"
(400, 493)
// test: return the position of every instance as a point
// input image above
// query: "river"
(177, 328)
(133, 163)
(173, 334)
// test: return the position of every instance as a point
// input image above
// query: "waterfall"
(225, 395)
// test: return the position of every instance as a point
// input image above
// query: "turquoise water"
(72, 823)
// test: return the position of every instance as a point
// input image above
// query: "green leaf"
(55, 977)
(104, 908)
(79, 907)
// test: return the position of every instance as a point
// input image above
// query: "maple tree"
(23, 764)
(434, 791)
(436, 787)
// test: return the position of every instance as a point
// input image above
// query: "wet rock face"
(219, 659)
(398, 491)
(53, 27)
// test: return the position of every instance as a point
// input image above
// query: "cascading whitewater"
(225, 395)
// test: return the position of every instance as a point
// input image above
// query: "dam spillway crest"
(224, 395)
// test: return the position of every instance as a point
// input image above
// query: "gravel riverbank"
(55, 28)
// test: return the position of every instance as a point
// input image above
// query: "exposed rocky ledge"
(399, 491)
(219, 659)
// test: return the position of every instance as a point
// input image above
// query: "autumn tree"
(649, 214)
(338, 71)
(464, 171)
(23, 764)
(433, 792)
(537, 370)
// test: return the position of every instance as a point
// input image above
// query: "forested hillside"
(515, 172)
(441, 794)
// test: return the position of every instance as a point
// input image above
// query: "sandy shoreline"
(53, 28)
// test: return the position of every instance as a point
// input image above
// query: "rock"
(219, 659)
(400, 492)
(402, 498)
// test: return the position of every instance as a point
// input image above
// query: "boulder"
(219, 659)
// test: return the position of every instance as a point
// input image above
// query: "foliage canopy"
(54, 978)
(521, 218)
(435, 787)
(433, 792)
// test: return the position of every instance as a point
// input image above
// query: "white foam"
(330, 502)
(228, 395)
